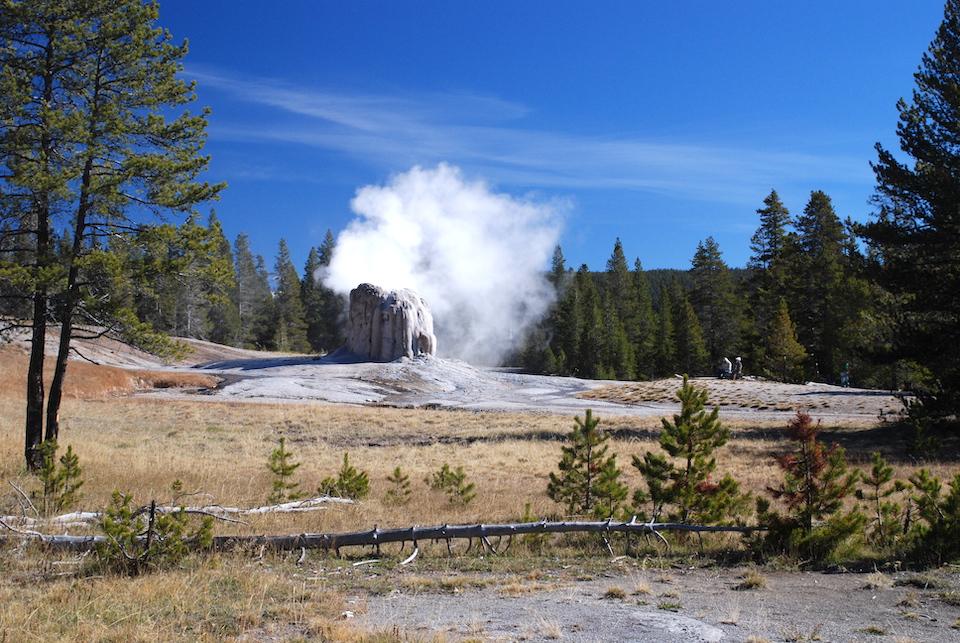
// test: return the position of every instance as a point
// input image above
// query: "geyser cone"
(386, 325)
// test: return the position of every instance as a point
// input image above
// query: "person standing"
(725, 369)
(738, 369)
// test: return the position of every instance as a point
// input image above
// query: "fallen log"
(376, 536)
(87, 518)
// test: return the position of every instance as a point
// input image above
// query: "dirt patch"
(87, 381)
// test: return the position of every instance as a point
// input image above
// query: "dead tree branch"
(376, 536)
(226, 514)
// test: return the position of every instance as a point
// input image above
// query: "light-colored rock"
(386, 325)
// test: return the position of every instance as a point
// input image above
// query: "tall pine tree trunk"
(38, 337)
(70, 300)
(34, 412)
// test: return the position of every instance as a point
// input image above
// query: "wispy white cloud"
(490, 136)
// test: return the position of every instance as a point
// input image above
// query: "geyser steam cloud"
(478, 257)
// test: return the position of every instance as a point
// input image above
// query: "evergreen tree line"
(187, 280)
(814, 303)
(199, 286)
(805, 308)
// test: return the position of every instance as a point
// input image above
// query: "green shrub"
(144, 539)
(934, 533)
(588, 480)
(61, 479)
(282, 466)
(815, 483)
(884, 529)
(399, 492)
(349, 483)
(682, 485)
(452, 482)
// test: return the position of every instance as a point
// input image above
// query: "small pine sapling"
(935, 532)
(588, 480)
(684, 480)
(61, 483)
(656, 470)
(283, 466)
(885, 513)
(349, 483)
(815, 483)
(143, 539)
(609, 492)
(399, 492)
(452, 482)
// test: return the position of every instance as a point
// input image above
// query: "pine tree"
(692, 438)
(291, 331)
(61, 484)
(588, 361)
(332, 304)
(223, 315)
(312, 298)
(349, 483)
(914, 234)
(252, 290)
(399, 492)
(784, 354)
(85, 95)
(282, 465)
(452, 482)
(265, 318)
(617, 353)
(621, 287)
(935, 532)
(714, 300)
(646, 326)
(690, 349)
(665, 356)
(204, 278)
(766, 263)
(568, 329)
(815, 484)
(588, 480)
(558, 270)
(815, 478)
(885, 513)
(818, 278)
(537, 354)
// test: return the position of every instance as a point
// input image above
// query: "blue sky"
(658, 122)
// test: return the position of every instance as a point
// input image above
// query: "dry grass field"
(219, 450)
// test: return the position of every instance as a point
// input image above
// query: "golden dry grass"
(206, 599)
(141, 445)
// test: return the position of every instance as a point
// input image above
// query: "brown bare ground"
(86, 380)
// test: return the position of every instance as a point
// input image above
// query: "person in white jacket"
(725, 369)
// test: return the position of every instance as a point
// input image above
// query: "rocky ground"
(442, 383)
(627, 604)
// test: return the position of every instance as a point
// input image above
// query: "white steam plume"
(478, 257)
